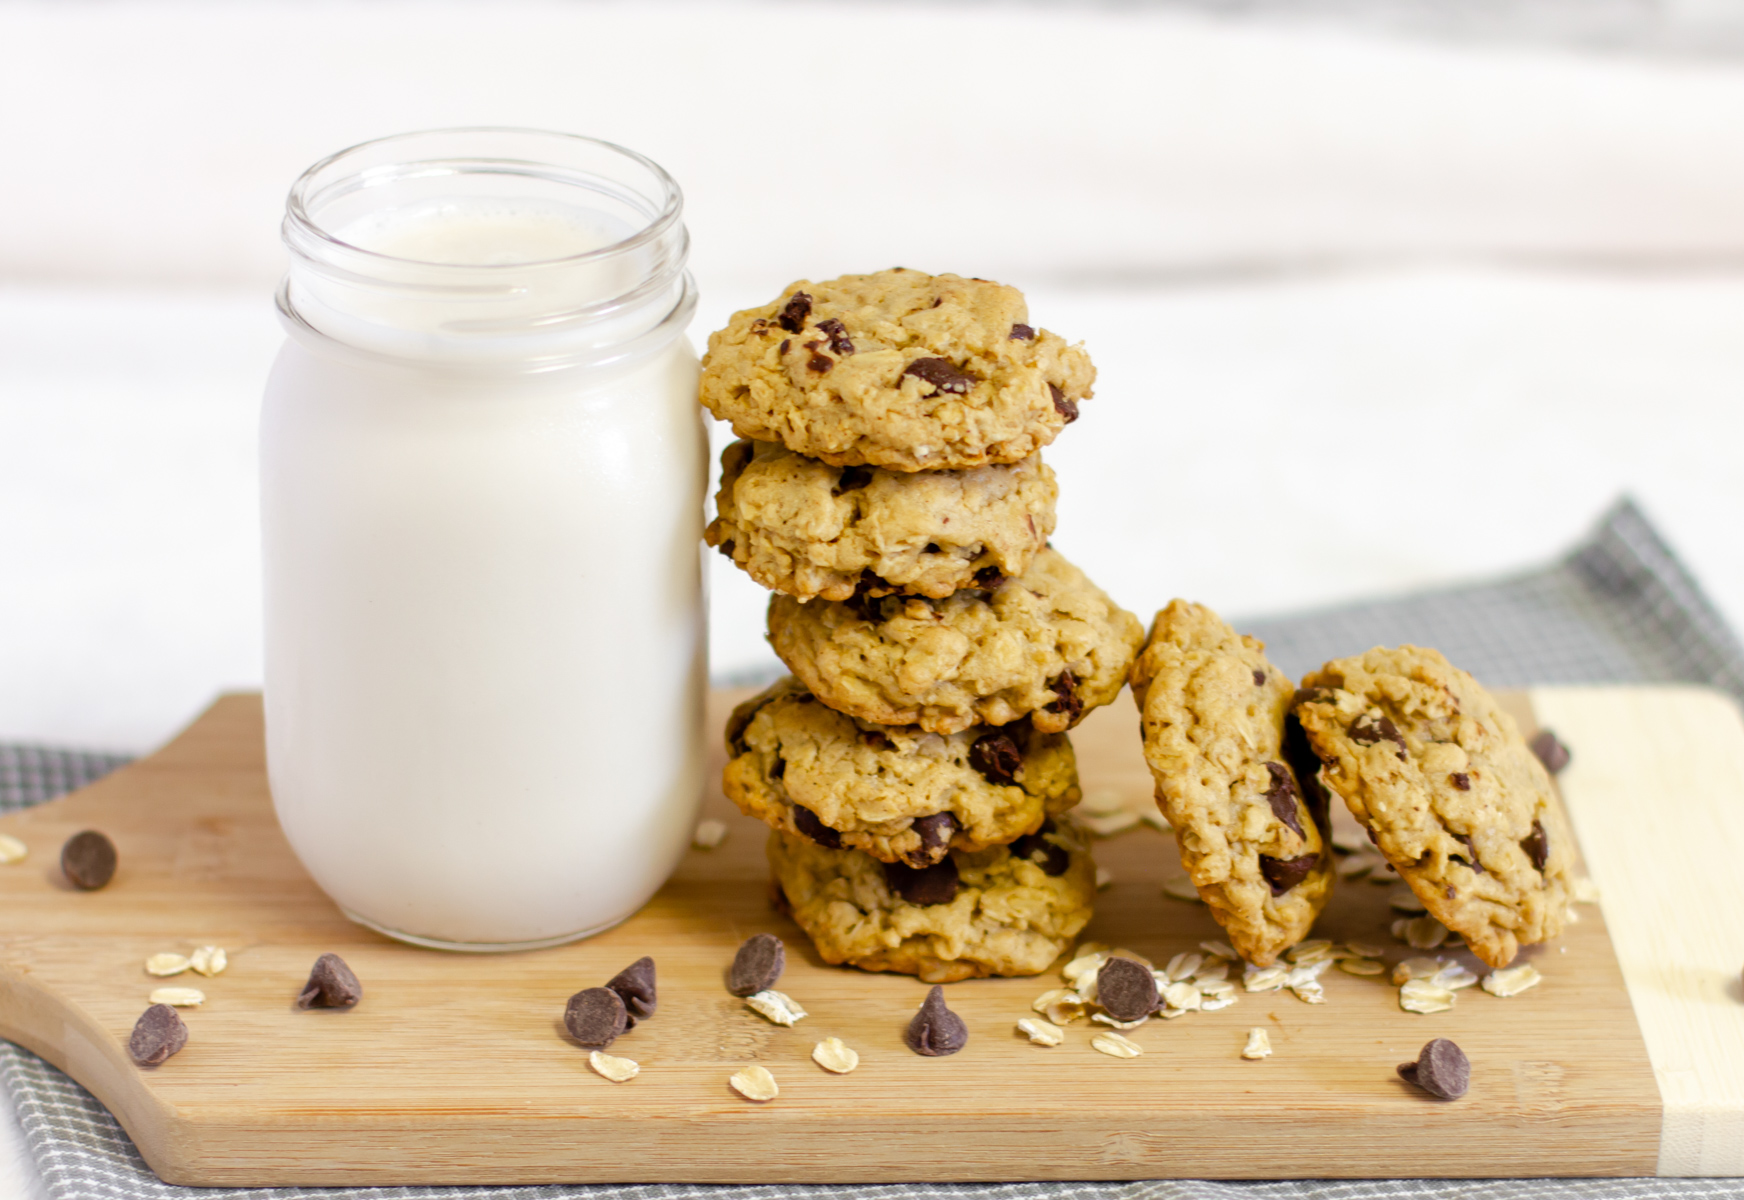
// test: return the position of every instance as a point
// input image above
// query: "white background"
(1371, 312)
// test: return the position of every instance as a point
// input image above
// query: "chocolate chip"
(1285, 873)
(88, 860)
(936, 1030)
(1460, 780)
(924, 886)
(1282, 797)
(806, 821)
(727, 547)
(935, 835)
(1299, 753)
(785, 343)
(758, 965)
(1021, 333)
(778, 768)
(1441, 1069)
(1550, 751)
(157, 1034)
(867, 602)
(1055, 860)
(939, 372)
(1537, 846)
(820, 363)
(1127, 990)
(793, 316)
(876, 740)
(839, 343)
(1065, 686)
(989, 578)
(595, 1017)
(997, 757)
(851, 479)
(635, 987)
(331, 985)
(1369, 730)
(1259, 678)
(1064, 405)
(1471, 852)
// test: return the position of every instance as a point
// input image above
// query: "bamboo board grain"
(454, 1069)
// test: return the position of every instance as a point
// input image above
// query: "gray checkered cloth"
(1620, 608)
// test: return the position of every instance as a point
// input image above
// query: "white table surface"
(1370, 313)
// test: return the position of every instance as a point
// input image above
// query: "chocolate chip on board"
(1441, 1069)
(1056, 860)
(635, 987)
(806, 821)
(1285, 873)
(595, 1017)
(942, 374)
(997, 757)
(88, 860)
(1282, 797)
(1063, 404)
(331, 985)
(793, 316)
(935, 834)
(1537, 846)
(1550, 751)
(936, 1031)
(157, 1034)
(1126, 989)
(924, 886)
(758, 965)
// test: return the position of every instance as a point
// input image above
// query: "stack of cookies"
(1434, 770)
(891, 493)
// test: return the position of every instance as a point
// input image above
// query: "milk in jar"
(482, 475)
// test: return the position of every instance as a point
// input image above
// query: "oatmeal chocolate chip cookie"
(899, 369)
(999, 911)
(895, 792)
(1212, 715)
(1048, 645)
(1448, 790)
(808, 529)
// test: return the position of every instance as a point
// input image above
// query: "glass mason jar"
(482, 476)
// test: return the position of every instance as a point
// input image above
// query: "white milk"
(484, 610)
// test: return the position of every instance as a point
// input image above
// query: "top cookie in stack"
(891, 493)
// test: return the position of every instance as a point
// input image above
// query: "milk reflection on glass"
(482, 488)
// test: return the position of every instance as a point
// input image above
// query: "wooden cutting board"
(454, 1070)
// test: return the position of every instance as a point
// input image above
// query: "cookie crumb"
(1259, 1044)
(835, 1055)
(166, 964)
(1042, 1033)
(756, 1084)
(1116, 1046)
(11, 849)
(709, 834)
(1511, 981)
(778, 1007)
(618, 1070)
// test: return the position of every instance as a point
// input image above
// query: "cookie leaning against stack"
(1420, 753)
(890, 491)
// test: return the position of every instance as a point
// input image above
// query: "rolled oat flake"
(595, 1017)
(758, 965)
(936, 1030)
(1127, 990)
(1441, 1069)
(88, 860)
(157, 1034)
(331, 985)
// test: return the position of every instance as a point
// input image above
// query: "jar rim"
(300, 219)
